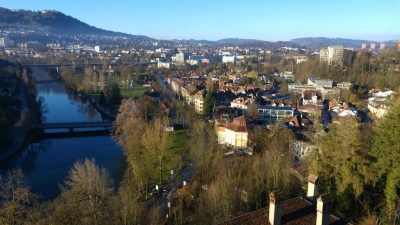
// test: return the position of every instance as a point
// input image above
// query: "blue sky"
(218, 19)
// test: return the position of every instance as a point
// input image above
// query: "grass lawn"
(175, 153)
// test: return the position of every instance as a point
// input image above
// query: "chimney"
(275, 207)
(324, 207)
(312, 189)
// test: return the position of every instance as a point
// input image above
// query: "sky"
(268, 20)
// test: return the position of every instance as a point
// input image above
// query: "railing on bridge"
(73, 125)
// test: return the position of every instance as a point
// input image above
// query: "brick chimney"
(275, 207)
(312, 189)
(324, 207)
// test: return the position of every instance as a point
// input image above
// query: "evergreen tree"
(208, 104)
(102, 99)
(115, 94)
(386, 153)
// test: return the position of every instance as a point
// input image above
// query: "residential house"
(242, 103)
(237, 132)
(311, 97)
(188, 93)
(199, 101)
(222, 116)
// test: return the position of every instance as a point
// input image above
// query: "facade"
(363, 46)
(271, 114)
(98, 48)
(382, 46)
(229, 59)
(180, 58)
(166, 65)
(237, 132)
(199, 102)
(332, 55)
(344, 85)
(4, 42)
(373, 46)
(188, 94)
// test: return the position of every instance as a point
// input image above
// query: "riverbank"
(16, 149)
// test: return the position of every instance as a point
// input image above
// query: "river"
(46, 161)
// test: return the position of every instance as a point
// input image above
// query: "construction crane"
(398, 44)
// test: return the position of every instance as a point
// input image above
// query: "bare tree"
(17, 201)
(156, 140)
(85, 196)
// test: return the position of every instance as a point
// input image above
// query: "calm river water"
(46, 162)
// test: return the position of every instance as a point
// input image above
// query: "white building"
(332, 55)
(4, 42)
(166, 65)
(229, 59)
(180, 58)
(98, 48)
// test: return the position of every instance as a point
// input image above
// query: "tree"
(17, 201)
(85, 196)
(115, 94)
(156, 140)
(386, 154)
(102, 99)
(208, 104)
(130, 127)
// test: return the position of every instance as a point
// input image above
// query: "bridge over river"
(87, 64)
(73, 125)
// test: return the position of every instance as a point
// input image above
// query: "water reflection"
(27, 160)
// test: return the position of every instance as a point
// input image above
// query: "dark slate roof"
(295, 211)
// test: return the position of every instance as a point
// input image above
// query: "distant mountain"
(50, 20)
(320, 42)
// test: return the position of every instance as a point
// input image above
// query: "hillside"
(319, 42)
(50, 20)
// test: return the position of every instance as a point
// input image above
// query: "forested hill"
(319, 42)
(50, 20)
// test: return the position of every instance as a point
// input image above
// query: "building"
(373, 46)
(382, 46)
(199, 101)
(332, 55)
(242, 103)
(98, 48)
(166, 65)
(274, 112)
(320, 82)
(237, 132)
(229, 59)
(303, 210)
(344, 85)
(188, 94)
(363, 46)
(180, 58)
(4, 42)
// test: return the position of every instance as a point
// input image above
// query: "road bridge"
(86, 64)
(73, 125)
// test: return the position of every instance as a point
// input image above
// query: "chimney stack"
(275, 207)
(312, 189)
(324, 207)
